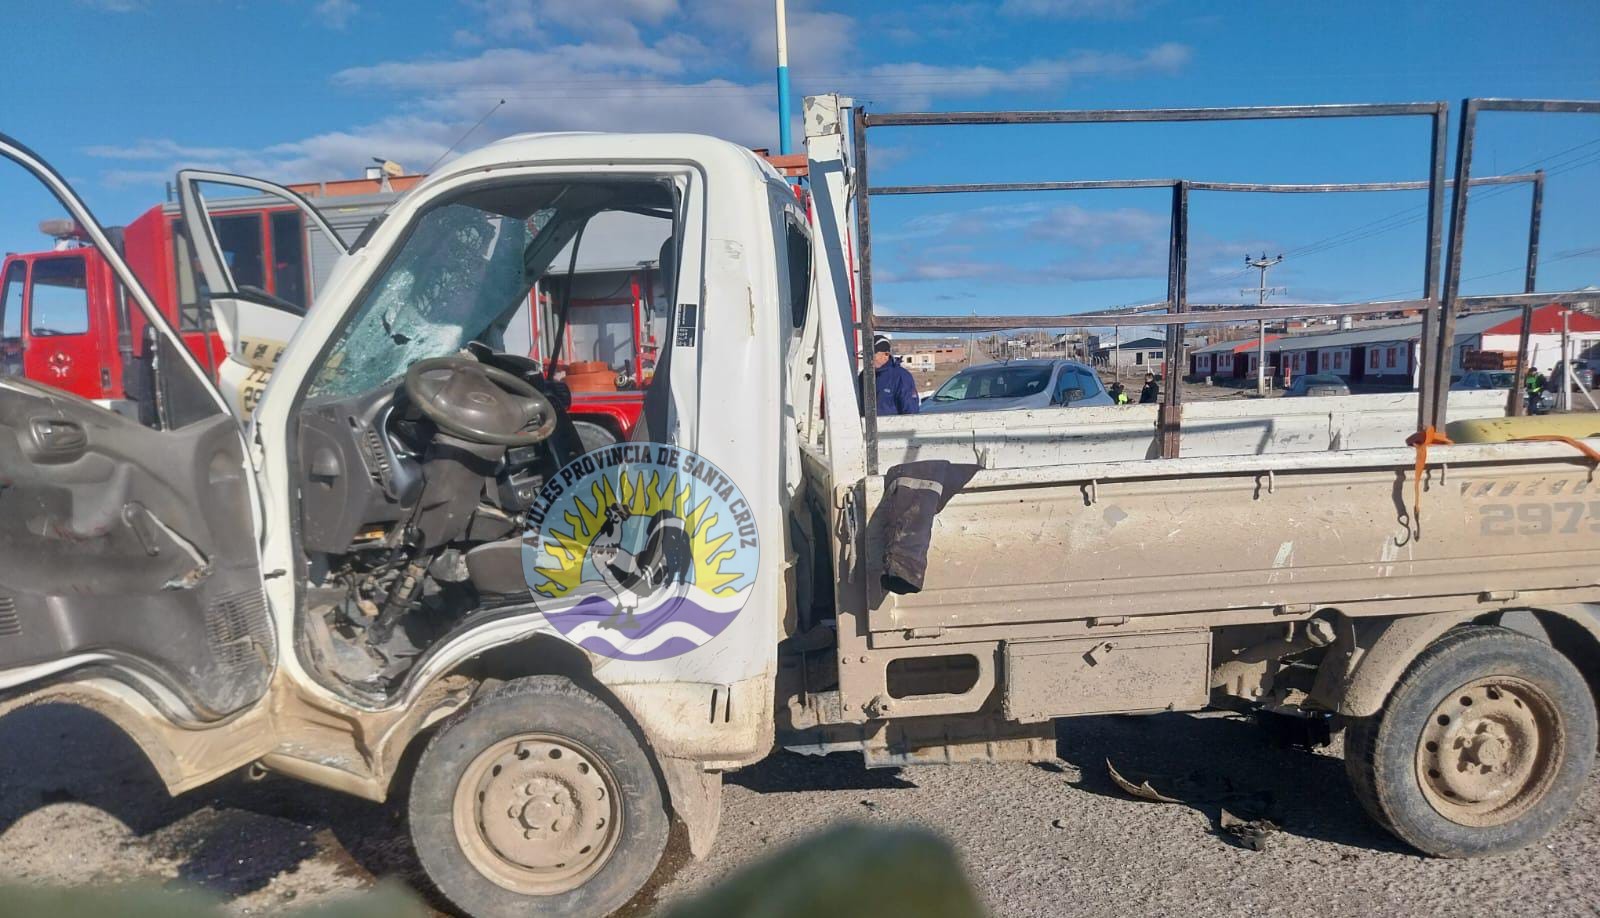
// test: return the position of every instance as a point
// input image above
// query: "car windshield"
(999, 381)
(464, 270)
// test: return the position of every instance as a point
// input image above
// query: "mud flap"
(695, 796)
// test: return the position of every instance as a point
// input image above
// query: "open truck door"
(129, 566)
(254, 325)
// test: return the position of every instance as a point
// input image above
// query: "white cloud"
(160, 148)
(613, 20)
(114, 6)
(569, 70)
(919, 83)
(1069, 9)
(820, 42)
(614, 65)
(336, 14)
(1078, 244)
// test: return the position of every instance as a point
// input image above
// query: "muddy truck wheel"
(537, 800)
(1482, 747)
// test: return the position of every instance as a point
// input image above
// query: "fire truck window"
(11, 304)
(289, 257)
(600, 328)
(60, 301)
(240, 239)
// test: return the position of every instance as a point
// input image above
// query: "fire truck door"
(254, 325)
(60, 337)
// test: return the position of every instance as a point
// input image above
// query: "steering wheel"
(478, 402)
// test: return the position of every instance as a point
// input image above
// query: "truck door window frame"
(209, 255)
(12, 341)
(76, 309)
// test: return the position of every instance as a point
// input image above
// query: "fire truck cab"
(65, 320)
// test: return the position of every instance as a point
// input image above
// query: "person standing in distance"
(1151, 393)
(897, 391)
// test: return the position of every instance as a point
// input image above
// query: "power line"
(1562, 256)
(464, 136)
(1413, 215)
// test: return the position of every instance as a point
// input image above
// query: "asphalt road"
(79, 805)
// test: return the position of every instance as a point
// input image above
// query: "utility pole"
(1262, 264)
(783, 79)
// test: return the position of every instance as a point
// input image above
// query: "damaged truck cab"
(407, 544)
(405, 562)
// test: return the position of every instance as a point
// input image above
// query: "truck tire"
(537, 800)
(1482, 747)
(593, 436)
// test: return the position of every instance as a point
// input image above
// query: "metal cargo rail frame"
(1439, 303)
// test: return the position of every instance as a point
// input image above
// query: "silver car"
(1317, 384)
(1485, 379)
(1012, 384)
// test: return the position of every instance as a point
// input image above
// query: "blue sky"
(120, 93)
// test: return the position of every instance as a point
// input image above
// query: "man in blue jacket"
(897, 391)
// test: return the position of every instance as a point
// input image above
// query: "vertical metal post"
(1514, 406)
(1169, 420)
(1568, 378)
(1430, 270)
(1261, 358)
(869, 373)
(1444, 344)
(783, 79)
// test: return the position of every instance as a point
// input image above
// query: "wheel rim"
(1489, 751)
(538, 814)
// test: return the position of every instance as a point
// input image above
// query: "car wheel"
(1482, 747)
(537, 799)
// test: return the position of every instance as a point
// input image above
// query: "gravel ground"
(79, 805)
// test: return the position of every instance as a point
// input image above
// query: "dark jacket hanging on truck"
(914, 493)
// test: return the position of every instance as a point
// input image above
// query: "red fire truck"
(64, 319)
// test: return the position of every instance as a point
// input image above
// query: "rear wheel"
(537, 800)
(1482, 747)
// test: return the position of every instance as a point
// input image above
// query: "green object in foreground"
(852, 869)
(848, 870)
(136, 900)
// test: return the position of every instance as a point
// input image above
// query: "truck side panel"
(1010, 554)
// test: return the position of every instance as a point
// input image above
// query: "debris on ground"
(1249, 833)
(1142, 790)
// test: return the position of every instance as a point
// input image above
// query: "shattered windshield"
(461, 271)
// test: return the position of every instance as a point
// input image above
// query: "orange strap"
(1579, 445)
(1421, 440)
